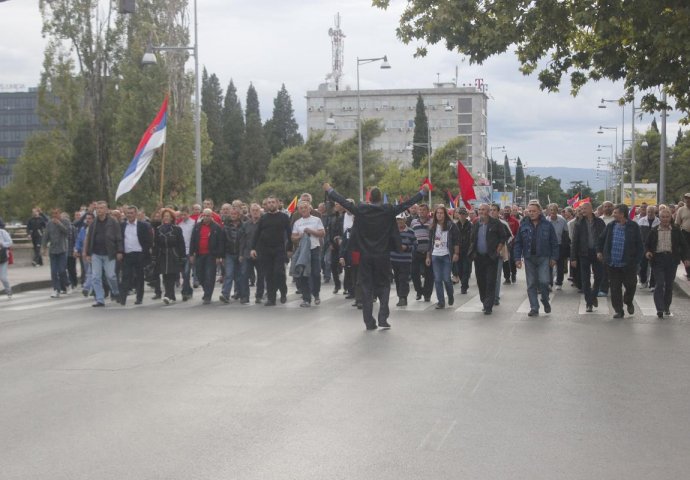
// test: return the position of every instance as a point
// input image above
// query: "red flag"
(466, 184)
(633, 212)
(367, 196)
(427, 182)
(580, 202)
(293, 205)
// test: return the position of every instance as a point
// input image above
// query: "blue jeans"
(100, 264)
(186, 278)
(88, 278)
(538, 274)
(232, 269)
(441, 266)
(58, 271)
(311, 286)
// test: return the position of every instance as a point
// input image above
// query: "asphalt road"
(251, 392)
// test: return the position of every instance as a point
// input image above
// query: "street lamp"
(149, 58)
(491, 170)
(617, 102)
(384, 66)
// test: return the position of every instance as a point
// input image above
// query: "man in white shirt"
(312, 227)
(186, 224)
(137, 236)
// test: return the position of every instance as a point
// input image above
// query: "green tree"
(580, 187)
(228, 175)
(212, 105)
(641, 42)
(550, 191)
(678, 170)
(255, 155)
(519, 174)
(420, 138)
(282, 128)
(506, 170)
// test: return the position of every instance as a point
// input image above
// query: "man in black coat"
(487, 240)
(583, 252)
(375, 227)
(137, 238)
(206, 250)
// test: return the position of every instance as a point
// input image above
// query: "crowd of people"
(604, 251)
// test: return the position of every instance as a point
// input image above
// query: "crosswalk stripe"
(473, 305)
(602, 309)
(645, 302)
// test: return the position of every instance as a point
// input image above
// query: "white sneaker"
(56, 294)
(166, 300)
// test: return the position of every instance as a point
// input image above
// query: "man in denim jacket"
(537, 243)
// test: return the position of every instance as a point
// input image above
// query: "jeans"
(205, 266)
(311, 285)
(326, 263)
(538, 273)
(441, 265)
(100, 264)
(58, 271)
(590, 264)
(664, 268)
(4, 279)
(232, 272)
(88, 278)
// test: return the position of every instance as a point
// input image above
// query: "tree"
(644, 43)
(506, 170)
(214, 180)
(227, 177)
(550, 191)
(282, 128)
(420, 139)
(580, 187)
(255, 155)
(519, 174)
(679, 136)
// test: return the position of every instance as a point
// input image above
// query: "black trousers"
(401, 270)
(374, 277)
(647, 272)
(421, 270)
(486, 269)
(589, 265)
(260, 281)
(273, 265)
(169, 280)
(620, 277)
(687, 240)
(72, 270)
(132, 275)
(664, 269)
(205, 267)
(509, 268)
(335, 267)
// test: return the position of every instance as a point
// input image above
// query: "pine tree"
(212, 106)
(506, 170)
(654, 126)
(420, 140)
(519, 174)
(233, 136)
(679, 137)
(282, 129)
(255, 155)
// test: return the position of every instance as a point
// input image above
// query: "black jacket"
(375, 223)
(169, 249)
(633, 249)
(113, 238)
(215, 240)
(453, 238)
(232, 237)
(144, 235)
(495, 235)
(465, 237)
(579, 245)
(679, 246)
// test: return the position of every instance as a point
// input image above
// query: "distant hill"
(567, 175)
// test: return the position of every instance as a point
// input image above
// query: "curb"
(27, 286)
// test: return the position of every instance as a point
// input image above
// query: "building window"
(464, 105)
(465, 118)
(464, 129)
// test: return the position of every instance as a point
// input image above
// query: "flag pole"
(160, 195)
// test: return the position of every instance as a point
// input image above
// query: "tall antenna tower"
(337, 51)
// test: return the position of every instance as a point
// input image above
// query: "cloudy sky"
(270, 42)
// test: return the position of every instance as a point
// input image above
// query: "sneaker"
(166, 300)
(283, 299)
(384, 325)
(98, 304)
(619, 315)
(317, 301)
(305, 304)
(223, 298)
(402, 302)
(667, 312)
(559, 287)
(56, 294)
(533, 313)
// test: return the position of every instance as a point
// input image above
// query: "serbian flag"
(581, 202)
(466, 184)
(428, 183)
(451, 199)
(572, 201)
(293, 205)
(153, 139)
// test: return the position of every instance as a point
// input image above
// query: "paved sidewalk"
(23, 279)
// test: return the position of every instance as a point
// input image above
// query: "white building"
(452, 111)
